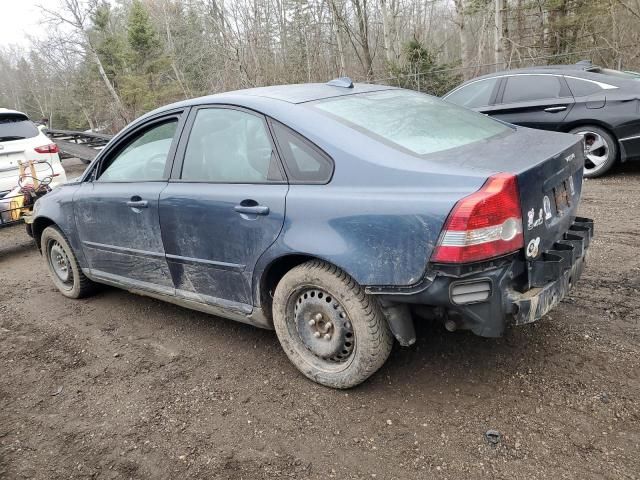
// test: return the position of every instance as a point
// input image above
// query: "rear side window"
(526, 88)
(304, 162)
(582, 88)
(14, 127)
(476, 94)
(229, 146)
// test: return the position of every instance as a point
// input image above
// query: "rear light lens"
(484, 225)
(51, 148)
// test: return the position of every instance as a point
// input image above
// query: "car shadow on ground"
(630, 167)
(439, 359)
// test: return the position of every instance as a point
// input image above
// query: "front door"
(117, 209)
(223, 207)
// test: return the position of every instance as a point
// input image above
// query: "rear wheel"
(63, 265)
(330, 329)
(600, 150)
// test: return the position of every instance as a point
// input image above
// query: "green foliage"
(421, 71)
(142, 36)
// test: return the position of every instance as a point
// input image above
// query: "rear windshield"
(617, 73)
(13, 127)
(413, 121)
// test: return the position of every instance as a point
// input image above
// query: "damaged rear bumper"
(486, 298)
(552, 276)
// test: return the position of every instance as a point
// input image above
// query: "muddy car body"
(330, 212)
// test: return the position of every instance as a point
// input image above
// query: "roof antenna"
(344, 82)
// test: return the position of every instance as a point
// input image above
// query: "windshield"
(416, 122)
(13, 127)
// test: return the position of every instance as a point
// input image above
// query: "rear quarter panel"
(378, 237)
(380, 216)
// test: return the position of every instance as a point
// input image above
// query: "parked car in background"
(602, 105)
(21, 140)
(330, 212)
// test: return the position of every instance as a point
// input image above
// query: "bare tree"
(74, 14)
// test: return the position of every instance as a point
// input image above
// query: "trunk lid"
(549, 195)
(548, 167)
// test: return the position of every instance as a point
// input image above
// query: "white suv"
(21, 140)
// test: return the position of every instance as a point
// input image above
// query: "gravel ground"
(122, 386)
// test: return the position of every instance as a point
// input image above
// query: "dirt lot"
(121, 386)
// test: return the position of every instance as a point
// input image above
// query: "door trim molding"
(236, 267)
(123, 250)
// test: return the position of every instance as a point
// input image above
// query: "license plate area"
(562, 197)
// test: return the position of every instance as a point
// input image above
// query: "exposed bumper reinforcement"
(552, 276)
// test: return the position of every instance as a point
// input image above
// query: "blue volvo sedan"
(338, 214)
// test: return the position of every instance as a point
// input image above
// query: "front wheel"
(330, 329)
(600, 150)
(63, 265)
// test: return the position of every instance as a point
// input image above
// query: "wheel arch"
(38, 226)
(268, 278)
(567, 127)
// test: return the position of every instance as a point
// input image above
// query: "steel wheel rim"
(321, 329)
(60, 264)
(596, 151)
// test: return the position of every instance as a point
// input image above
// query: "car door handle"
(555, 109)
(137, 203)
(252, 209)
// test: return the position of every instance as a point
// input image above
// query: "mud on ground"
(121, 386)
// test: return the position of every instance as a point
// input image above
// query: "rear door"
(116, 210)
(533, 100)
(223, 207)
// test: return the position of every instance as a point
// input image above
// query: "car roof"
(582, 69)
(296, 93)
(269, 100)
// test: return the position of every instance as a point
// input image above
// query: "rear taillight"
(51, 148)
(484, 225)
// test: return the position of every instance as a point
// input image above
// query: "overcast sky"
(19, 18)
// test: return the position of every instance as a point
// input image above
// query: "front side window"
(412, 121)
(144, 158)
(476, 94)
(229, 146)
(527, 88)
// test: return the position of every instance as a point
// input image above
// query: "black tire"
(56, 250)
(591, 133)
(359, 339)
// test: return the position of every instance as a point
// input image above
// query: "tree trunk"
(339, 28)
(463, 33)
(107, 83)
(501, 35)
(360, 7)
(388, 31)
